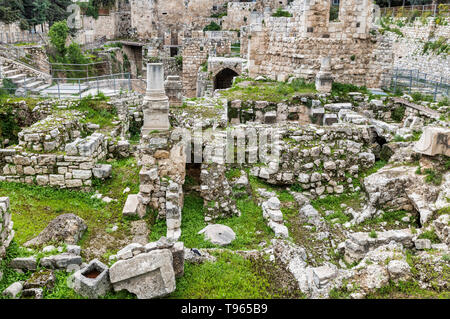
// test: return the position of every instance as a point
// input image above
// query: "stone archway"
(224, 79)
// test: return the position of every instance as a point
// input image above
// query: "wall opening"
(334, 10)
(224, 79)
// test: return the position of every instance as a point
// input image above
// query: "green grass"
(97, 110)
(10, 276)
(431, 235)
(33, 207)
(334, 202)
(233, 173)
(246, 226)
(230, 277)
(269, 91)
(407, 290)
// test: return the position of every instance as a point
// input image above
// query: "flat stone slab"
(218, 234)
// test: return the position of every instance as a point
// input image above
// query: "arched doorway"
(224, 79)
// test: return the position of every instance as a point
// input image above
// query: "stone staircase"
(22, 79)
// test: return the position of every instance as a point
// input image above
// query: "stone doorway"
(224, 79)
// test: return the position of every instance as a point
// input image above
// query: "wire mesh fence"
(415, 81)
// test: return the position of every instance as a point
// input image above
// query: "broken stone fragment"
(24, 263)
(13, 290)
(66, 228)
(102, 171)
(61, 261)
(148, 275)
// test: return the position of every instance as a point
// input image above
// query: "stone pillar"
(174, 89)
(324, 79)
(156, 103)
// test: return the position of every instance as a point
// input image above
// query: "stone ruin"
(329, 147)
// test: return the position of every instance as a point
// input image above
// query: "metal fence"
(22, 37)
(429, 9)
(75, 88)
(78, 88)
(416, 81)
(67, 70)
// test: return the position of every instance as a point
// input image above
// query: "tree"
(58, 36)
(40, 8)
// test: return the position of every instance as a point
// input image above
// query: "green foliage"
(219, 15)
(58, 34)
(8, 88)
(406, 290)
(97, 110)
(398, 113)
(10, 276)
(179, 61)
(212, 27)
(433, 177)
(386, 26)
(230, 277)
(9, 127)
(270, 91)
(343, 89)
(438, 47)
(250, 227)
(281, 13)
(334, 202)
(233, 173)
(431, 235)
(334, 13)
(373, 234)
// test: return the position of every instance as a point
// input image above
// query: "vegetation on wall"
(281, 13)
(212, 27)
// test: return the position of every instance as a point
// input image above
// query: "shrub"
(58, 36)
(212, 27)
(398, 114)
(281, 13)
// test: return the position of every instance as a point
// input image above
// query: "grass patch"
(407, 290)
(230, 277)
(269, 91)
(250, 227)
(97, 110)
(33, 207)
(334, 202)
(431, 235)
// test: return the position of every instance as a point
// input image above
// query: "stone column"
(324, 79)
(156, 103)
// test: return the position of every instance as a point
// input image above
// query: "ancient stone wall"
(320, 160)
(6, 227)
(408, 49)
(52, 133)
(294, 45)
(195, 52)
(238, 15)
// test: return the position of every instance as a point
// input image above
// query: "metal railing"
(79, 70)
(19, 55)
(75, 87)
(405, 11)
(22, 37)
(416, 81)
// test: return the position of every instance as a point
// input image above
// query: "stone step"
(9, 72)
(17, 77)
(33, 84)
(40, 88)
